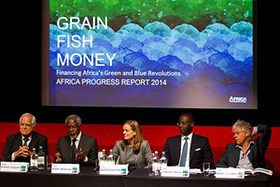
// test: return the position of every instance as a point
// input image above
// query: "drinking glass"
(206, 168)
(96, 166)
(49, 162)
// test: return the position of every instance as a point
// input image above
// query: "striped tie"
(25, 140)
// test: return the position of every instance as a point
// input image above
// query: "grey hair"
(75, 117)
(33, 119)
(242, 125)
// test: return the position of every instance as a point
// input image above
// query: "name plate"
(113, 169)
(234, 173)
(65, 168)
(14, 166)
(175, 171)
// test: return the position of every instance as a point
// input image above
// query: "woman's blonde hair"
(137, 139)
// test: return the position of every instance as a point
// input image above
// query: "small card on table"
(175, 171)
(113, 169)
(65, 168)
(14, 166)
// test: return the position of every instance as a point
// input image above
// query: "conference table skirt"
(136, 178)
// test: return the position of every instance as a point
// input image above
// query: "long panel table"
(136, 178)
(44, 178)
(141, 178)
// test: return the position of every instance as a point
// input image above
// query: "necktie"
(184, 153)
(73, 147)
(25, 140)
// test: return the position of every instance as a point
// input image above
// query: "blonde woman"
(132, 149)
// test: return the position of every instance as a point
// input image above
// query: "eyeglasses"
(182, 123)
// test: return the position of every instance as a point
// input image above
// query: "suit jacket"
(200, 151)
(15, 140)
(139, 160)
(230, 158)
(87, 143)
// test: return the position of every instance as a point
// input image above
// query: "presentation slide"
(151, 54)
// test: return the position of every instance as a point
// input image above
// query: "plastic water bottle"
(103, 157)
(41, 159)
(34, 160)
(150, 166)
(110, 157)
(163, 160)
(155, 164)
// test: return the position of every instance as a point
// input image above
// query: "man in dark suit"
(19, 146)
(246, 152)
(198, 149)
(76, 147)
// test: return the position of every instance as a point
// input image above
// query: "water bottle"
(110, 157)
(163, 160)
(103, 157)
(41, 158)
(34, 160)
(155, 164)
(150, 166)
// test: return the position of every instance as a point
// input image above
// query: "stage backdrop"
(158, 54)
